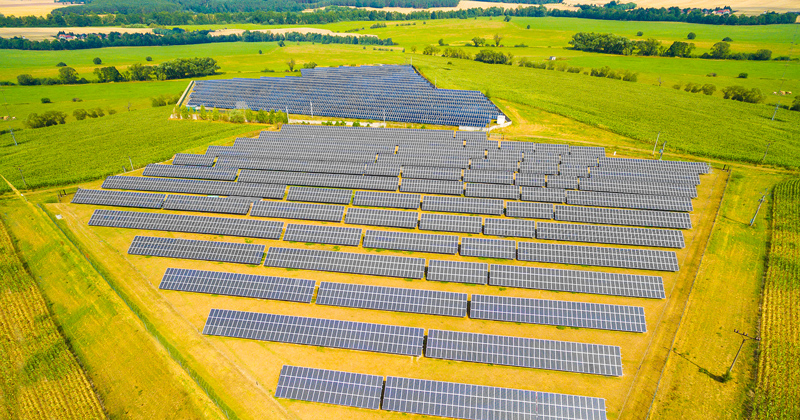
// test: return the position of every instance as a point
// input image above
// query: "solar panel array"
(319, 195)
(315, 332)
(407, 241)
(563, 182)
(192, 160)
(616, 235)
(207, 204)
(191, 172)
(529, 210)
(381, 199)
(668, 189)
(330, 387)
(345, 262)
(524, 352)
(333, 235)
(387, 218)
(237, 284)
(477, 402)
(432, 186)
(303, 211)
(427, 172)
(629, 201)
(510, 227)
(118, 198)
(544, 195)
(197, 250)
(488, 248)
(395, 299)
(462, 205)
(510, 192)
(577, 281)
(450, 223)
(228, 226)
(558, 312)
(458, 271)
(362, 182)
(489, 177)
(192, 186)
(643, 259)
(645, 218)
(530, 180)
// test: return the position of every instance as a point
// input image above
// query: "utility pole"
(13, 137)
(760, 202)
(776, 111)
(656, 143)
(23, 177)
(131, 162)
(661, 152)
(745, 337)
(765, 153)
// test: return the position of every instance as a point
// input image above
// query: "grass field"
(41, 378)
(779, 364)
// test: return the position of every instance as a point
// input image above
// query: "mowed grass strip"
(779, 364)
(41, 378)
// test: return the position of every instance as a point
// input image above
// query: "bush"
(574, 70)
(26, 80)
(164, 100)
(640, 33)
(441, 42)
(456, 53)
(77, 100)
(431, 50)
(761, 55)
(727, 39)
(691, 35)
(529, 26)
(742, 76)
(677, 86)
(692, 87)
(91, 113)
(507, 18)
(494, 57)
(111, 111)
(46, 100)
(708, 89)
(79, 114)
(61, 64)
(310, 65)
(260, 52)
(739, 93)
(99, 112)
(45, 120)
(148, 58)
(795, 104)
(97, 61)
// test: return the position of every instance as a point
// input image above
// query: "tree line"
(116, 39)
(614, 44)
(147, 16)
(179, 68)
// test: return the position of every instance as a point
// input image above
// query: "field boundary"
(688, 296)
(171, 350)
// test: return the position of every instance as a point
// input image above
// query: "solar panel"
(544, 195)
(363, 336)
(665, 238)
(529, 210)
(510, 192)
(450, 223)
(228, 226)
(563, 182)
(431, 186)
(319, 195)
(428, 172)
(207, 204)
(346, 262)
(510, 227)
(192, 186)
(330, 387)
(532, 353)
(462, 205)
(382, 169)
(192, 172)
(488, 248)
(552, 148)
(572, 170)
(392, 200)
(333, 235)
(304, 211)
(494, 165)
(542, 167)
(118, 198)
(668, 189)
(577, 281)
(558, 312)
(477, 402)
(630, 201)
(237, 284)
(197, 250)
(192, 160)
(643, 259)
(362, 182)
(395, 299)
(656, 165)
(633, 176)
(489, 177)
(646, 218)
(530, 180)
(407, 241)
(387, 218)
(458, 271)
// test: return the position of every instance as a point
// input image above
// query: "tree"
(413, 49)
(310, 65)
(651, 47)
(203, 112)
(215, 115)
(61, 64)
(727, 39)
(478, 41)
(148, 58)
(497, 38)
(291, 63)
(720, 50)
(45, 120)
(742, 76)
(761, 55)
(691, 35)
(507, 18)
(97, 61)
(108, 74)
(262, 116)
(679, 49)
(493, 57)
(431, 50)
(640, 33)
(708, 89)
(46, 100)
(260, 52)
(739, 93)
(67, 75)
(79, 114)
(796, 104)
(184, 112)
(528, 27)
(138, 72)
(26, 80)
(441, 41)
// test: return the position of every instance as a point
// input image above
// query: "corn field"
(40, 377)
(778, 395)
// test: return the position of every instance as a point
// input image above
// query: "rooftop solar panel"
(392, 200)
(630, 201)
(431, 186)
(643, 259)
(458, 271)
(395, 299)
(616, 235)
(237, 284)
(524, 352)
(407, 241)
(558, 312)
(488, 248)
(462, 205)
(345, 262)
(333, 235)
(304, 211)
(450, 223)
(118, 198)
(330, 387)
(228, 226)
(510, 227)
(315, 332)
(577, 281)
(387, 218)
(206, 204)
(477, 402)
(197, 250)
(319, 195)
(191, 186)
